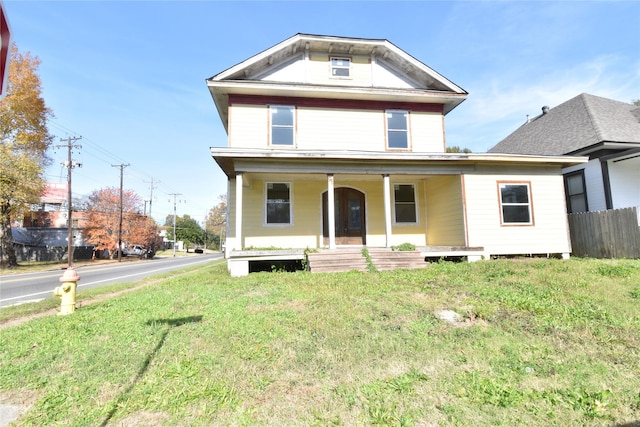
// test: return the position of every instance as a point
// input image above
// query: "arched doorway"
(349, 216)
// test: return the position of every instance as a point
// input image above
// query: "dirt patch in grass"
(289, 306)
(145, 419)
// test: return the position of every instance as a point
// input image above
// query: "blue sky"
(129, 76)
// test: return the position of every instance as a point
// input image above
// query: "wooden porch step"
(337, 261)
(385, 259)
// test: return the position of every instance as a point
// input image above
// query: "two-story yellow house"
(355, 127)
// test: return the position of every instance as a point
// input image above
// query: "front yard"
(540, 342)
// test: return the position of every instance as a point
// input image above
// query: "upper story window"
(404, 198)
(282, 124)
(340, 67)
(397, 129)
(515, 203)
(576, 193)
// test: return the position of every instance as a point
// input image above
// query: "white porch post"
(387, 209)
(238, 241)
(331, 216)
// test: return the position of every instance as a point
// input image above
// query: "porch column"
(387, 209)
(331, 215)
(238, 241)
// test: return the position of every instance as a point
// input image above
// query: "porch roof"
(233, 160)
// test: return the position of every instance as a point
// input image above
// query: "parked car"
(136, 250)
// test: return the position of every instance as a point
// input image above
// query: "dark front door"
(349, 216)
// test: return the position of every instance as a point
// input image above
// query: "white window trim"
(265, 200)
(331, 67)
(415, 201)
(271, 125)
(529, 205)
(408, 130)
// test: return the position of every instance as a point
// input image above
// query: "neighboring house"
(355, 127)
(43, 232)
(605, 130)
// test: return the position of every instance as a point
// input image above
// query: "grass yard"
(542, 342)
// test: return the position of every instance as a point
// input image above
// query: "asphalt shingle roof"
(580, 122)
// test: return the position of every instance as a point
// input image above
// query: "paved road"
(26, 287)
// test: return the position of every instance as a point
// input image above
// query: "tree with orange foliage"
(103, 215)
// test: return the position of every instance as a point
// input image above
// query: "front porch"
(343, 259)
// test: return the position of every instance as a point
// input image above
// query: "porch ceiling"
(339, 178)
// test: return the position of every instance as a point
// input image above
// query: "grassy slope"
(545, 342)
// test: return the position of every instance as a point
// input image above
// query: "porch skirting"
(238, 261)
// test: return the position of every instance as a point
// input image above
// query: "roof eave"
(220, 91)
(226, 157)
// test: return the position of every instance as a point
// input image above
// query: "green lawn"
(544, 342)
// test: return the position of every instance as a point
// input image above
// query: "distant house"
(337, 143)
(605, 130)
(44, 230)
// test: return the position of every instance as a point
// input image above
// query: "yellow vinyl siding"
(548, 234)
(407, 232)
(445, 215)
(305, 224)
(248, 126)
(340, 129)
(427, 132)
(333, 129)
(305, 231)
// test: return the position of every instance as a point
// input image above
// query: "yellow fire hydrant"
(67, 292)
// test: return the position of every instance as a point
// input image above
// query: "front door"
(349, 216)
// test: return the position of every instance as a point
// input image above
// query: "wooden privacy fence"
(613, 233)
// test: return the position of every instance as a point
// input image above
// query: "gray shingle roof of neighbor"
(578, 123)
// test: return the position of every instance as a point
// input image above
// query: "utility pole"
(70, 164)
(175, 240)
(121, 166)
(151, 196)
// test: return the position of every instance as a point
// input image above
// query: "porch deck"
(351, 258)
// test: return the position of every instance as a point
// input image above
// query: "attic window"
(340, 67)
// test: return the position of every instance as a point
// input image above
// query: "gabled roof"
(578, 126)
(244, 78)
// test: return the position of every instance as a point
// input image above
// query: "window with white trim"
(576, 193)
(340, 67)
(515, 203)
(397, 129)
(282, 124)
(278, 203)
(404, 200)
